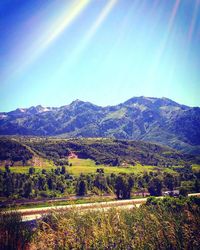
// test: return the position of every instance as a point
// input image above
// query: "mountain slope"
(159, 120)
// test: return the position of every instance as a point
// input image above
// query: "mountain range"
(158, 120)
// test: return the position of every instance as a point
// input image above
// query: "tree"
(100, 170)
(15, 234)
(183, 191)
(42, 182)
(119, 187)
(116, 162)
(63, 170)
(81, 188)
(169, 182)
(51, 184)
(129, 187)
(123, 186)
(57, 171)
(27, 189)
(31, 170)
(44, 171)
(7, 168)
(141, 183)
(100, 182)
(60, 187)
(8, 186)
(155, 187)
(197, 186)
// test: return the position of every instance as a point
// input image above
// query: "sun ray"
(169, 28)
(46, 39)
(124, 28)
(162, 47)
(173, 14)
(92, 31)
(76, 9)
(194, 19)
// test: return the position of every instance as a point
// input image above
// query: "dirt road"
(36, 213)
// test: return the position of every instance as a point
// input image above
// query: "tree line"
(58, 182)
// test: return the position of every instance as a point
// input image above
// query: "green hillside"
(102, 151)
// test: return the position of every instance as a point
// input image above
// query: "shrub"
(14, 234)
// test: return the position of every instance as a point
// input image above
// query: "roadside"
(36, 213)
(68, 200)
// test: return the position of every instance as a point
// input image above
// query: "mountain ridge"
(102, 106)
(158, 120)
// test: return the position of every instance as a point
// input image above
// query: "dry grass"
(138, 228)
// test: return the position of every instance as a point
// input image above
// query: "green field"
(196, 168)
(25, 169)
(87, 166)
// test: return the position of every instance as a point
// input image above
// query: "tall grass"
(163, 225)
(159, 224)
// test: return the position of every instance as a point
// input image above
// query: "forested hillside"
(102, 151)
(12, 151)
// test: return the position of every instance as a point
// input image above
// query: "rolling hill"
(23, 151)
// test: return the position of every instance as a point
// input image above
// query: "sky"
(102, 51)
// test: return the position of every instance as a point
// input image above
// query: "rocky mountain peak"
(151, 119)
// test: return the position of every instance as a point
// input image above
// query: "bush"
(183, 191)
(14, 234)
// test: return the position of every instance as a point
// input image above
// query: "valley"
(47, 168)
(82, 162)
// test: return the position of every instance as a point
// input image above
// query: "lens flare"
(49, 36)
(76, 9)
(164, 43)
(169, 29)
(194, 19)
(173, 14)
(89, 35)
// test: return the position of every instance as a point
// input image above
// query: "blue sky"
(102, 51)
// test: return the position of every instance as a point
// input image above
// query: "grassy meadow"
(25, 169)
(87, 166)
(196, 168)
